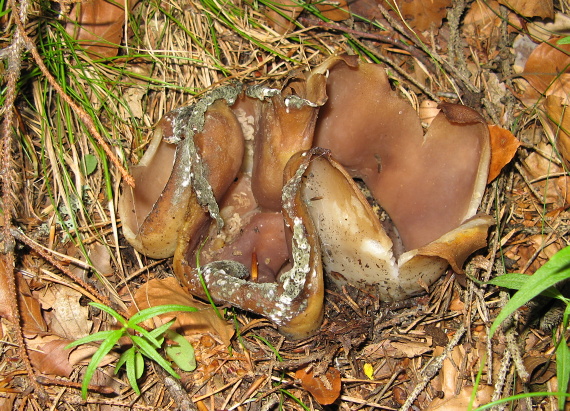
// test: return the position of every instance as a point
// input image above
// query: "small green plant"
(145, 344)
(557, 269)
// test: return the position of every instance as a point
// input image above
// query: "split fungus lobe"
(257, 186)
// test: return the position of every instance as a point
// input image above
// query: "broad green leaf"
(139, 364)
(555, 270)
(106, 346)
(149, 351)
(132, 369)
(564, 40)
(89, 164)
(101, 335)
(182, 353)
(110, 311)
(158, 310)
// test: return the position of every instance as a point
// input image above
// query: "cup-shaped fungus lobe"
(258, 221)
(167, 183)
(430, 186)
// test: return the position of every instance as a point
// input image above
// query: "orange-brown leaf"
(548, 70)
(168, 291)
(423, 15)
(325, 388)
(504, 146)
(30, 309)
(531, 8)
(98, 26)
(52, 358)
(6, 270)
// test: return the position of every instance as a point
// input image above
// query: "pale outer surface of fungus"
(256, 193)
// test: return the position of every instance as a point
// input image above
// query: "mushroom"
(257, 225)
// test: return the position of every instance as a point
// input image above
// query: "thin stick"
(13, 71)
(432, 368)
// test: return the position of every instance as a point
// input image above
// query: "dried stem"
(13, 71)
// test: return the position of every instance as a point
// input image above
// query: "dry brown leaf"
(7, 401)
(325, 388)
(531, 8)
(393, 349)
(558, 115)
(283, 14)
(6, 270)
(100, 256)
(168, 291)
(449, 376)
(423, 15)
(49, 355)
(98, 26)
(335, 11)
(67, 318)
(540, 167)
(30, 309)
(482, 22)
(548, 72)
(504, 146)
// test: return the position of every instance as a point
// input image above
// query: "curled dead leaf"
(98, 26)
(325, 388)
(49, 355)
(504, 146)
(533, 8)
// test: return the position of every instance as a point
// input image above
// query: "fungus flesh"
(261, 221)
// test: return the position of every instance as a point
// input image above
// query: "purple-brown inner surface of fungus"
(282, 201)
(424, 183)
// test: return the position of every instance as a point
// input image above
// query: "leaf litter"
(185, 48)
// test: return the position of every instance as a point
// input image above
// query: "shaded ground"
(60, 188)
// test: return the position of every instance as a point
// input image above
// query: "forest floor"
(84, 87)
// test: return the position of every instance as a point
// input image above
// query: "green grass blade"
(146, 334)
(516, 281)
(148, 351)
(103, 350)
(101, 335)
(132, 370)
(122, 360)
(150, 312)
(111, 312)
(555, 270)
(162, 329)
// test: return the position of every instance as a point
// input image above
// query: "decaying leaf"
(30, 309)
(168, 291)
(423, 15)
(395, 349)
(482, 22)
(67, 318)
(504, 146)
(325, 388)
(558, 116)
(49, 356)
(548, 72)
(6, 270)
(531, 8)
(449, 377)
(543, 170)
(98, 26)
